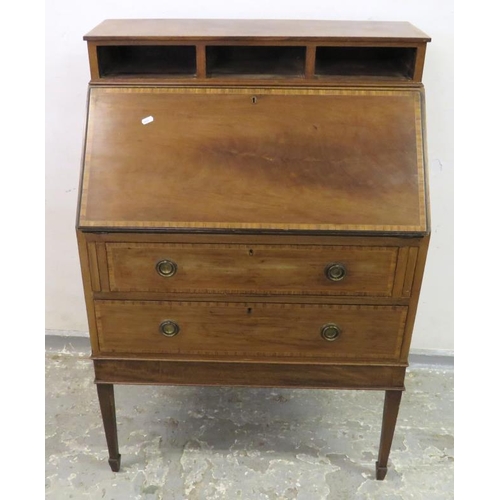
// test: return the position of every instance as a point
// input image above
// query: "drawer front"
(252, 330)
(255, 269)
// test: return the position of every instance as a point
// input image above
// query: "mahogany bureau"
(253, 206)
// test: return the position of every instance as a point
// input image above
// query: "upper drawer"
(251, 269)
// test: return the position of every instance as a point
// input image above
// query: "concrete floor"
(235, 443)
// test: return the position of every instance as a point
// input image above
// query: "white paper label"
(147, 120)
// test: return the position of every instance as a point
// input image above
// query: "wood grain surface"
(251, 329)
(254, 269)
(251, 29)
(266, 159)
(253, 154)
(249, 374)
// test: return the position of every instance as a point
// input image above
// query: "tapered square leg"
(391, 409)
(106, 396)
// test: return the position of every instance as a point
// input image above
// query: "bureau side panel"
(414, 279)
(88, 267)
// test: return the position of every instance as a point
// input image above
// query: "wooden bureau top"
(246, 29)
(243, 125)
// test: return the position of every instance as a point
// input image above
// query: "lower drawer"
(250, 331)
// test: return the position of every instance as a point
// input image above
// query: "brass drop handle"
(166, 268)
(169, 328)
(330, 332)
(335, 271)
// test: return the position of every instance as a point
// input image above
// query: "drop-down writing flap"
(215, 159)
